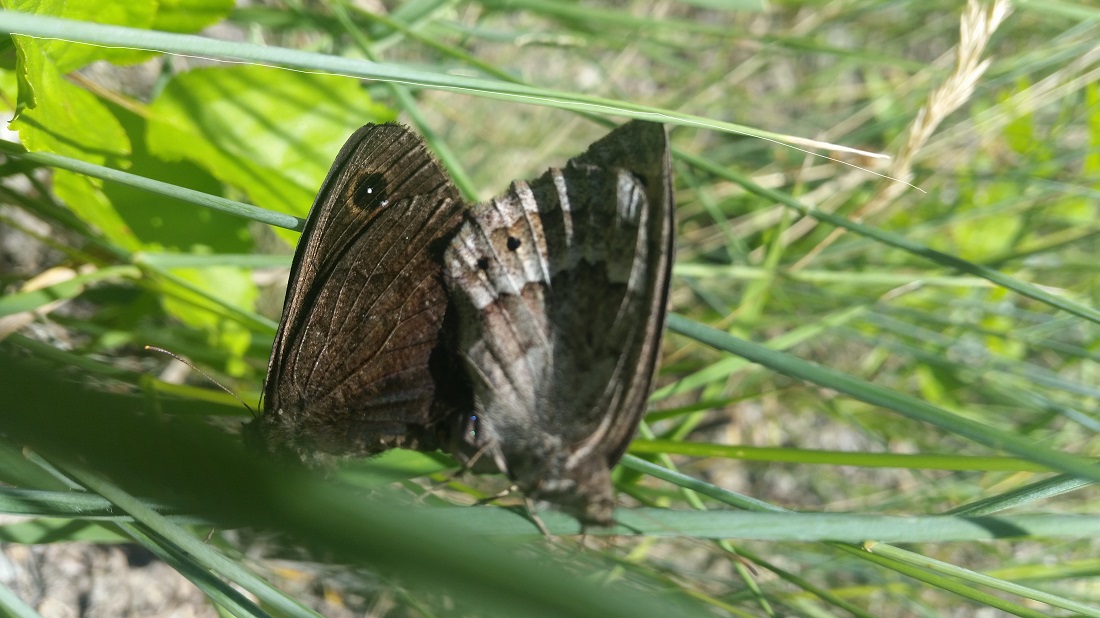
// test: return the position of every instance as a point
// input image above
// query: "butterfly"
(359, 364)
(561, 286)
(521, 335)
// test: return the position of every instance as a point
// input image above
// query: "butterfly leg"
(500, 494)
(535, 519)
(467, 466)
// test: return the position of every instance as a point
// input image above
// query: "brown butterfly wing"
(561, 284)
(642, 149)
(358, 364)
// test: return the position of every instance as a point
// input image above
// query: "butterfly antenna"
(153, 348)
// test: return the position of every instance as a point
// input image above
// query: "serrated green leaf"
(57, 116)
(68, 120)
(70, 56)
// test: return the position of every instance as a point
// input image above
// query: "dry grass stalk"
(976, 27)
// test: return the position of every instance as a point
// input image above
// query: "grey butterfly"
(561, 286)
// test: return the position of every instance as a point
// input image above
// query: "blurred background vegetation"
(903, 350)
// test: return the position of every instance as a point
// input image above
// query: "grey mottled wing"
(358, 364)
(561, 286)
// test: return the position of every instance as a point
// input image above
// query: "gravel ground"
(70, 580)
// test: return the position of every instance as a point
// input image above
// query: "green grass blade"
(879, 396)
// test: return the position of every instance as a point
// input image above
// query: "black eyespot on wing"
(483, 263)
(370, 189)
(513, 243)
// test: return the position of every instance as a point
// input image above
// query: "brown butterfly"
(359, 364)
(524, 339)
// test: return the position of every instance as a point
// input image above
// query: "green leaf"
(70, 56)
(234, 287)
(71, 121)
(161, 222)
(272, 133)
(979, 239)
(85, 197)
(48, 530)
(190, 15)
(57, 116)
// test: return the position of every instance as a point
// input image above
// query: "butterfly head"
(271, 436)
(473, 443)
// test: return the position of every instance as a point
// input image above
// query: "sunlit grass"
(922, 358)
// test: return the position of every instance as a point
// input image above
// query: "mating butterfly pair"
(520, 335)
